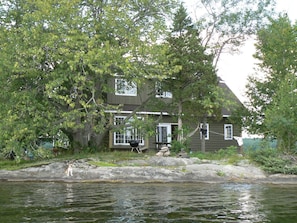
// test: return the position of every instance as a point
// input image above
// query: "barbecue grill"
(134, 146)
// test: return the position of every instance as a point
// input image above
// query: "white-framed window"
(127, 133)
(228, 131)
(205, 130)
(124, 87)
(160, 93)
(163, 133)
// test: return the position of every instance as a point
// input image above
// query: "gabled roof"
(226, 112)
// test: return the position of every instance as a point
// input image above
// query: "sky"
(234, 69)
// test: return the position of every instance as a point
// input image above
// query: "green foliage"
(13, 165)
(274, 161)
(177, 146)
(194, 84)
(57, 60)
(281, 116)
(42, 157)
(272, 108)
(102, 164)
(221, 25)
(220, 173)
(42, 153)
(181, 20)
(229, 155)
(12, 147)
(230, 151)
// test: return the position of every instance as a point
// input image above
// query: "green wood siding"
(216, 128)
(112, 98)
(216, 137)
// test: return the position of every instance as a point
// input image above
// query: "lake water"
(102, 202)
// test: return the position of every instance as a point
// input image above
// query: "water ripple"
(131, 203)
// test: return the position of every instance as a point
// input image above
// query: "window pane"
(228, 131)
(127, 134)
(131, 89)
(119, 137)
(160, 93)
(206, 129)
(120, 86)
(123, 87)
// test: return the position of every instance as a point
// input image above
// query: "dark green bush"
(177, 146)
(273, 161)
(229, 155)
(227, 152)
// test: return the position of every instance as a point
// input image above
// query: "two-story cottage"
(219, 134)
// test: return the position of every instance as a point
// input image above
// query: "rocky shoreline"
(153, 169)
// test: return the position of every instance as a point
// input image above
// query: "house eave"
(146, 113)
(138, 113)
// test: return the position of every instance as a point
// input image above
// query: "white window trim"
(207, 133)
(124, 133)
(127, 85)
(169, 131)
(226, 137)
(160, 93)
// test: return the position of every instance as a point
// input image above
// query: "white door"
(163, 133)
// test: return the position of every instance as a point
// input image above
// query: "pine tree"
(194, 85)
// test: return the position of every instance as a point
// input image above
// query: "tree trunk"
(97, 140)
(203, 143)
(80, 140)
(180, 137)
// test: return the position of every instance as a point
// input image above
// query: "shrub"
(177, 146)
(225, 153)
(273, 161)
(228, 154)
(42, 153)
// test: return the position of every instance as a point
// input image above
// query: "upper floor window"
(228, 132)
(124, 87)
(204, 130)
(160, 93)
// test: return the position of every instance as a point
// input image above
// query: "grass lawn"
(98, 159)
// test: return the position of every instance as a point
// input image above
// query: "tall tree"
(281, 116)
(194, 85)
(227, 24)
(57, 56)
(271, 97)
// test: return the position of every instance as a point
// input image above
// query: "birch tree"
(271, 106)
(227, 24)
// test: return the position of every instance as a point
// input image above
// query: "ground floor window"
(228, 132)
(127, 133)
(204, 130)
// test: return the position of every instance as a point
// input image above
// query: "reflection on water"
(83, 202)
